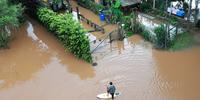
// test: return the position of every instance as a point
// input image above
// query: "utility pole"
(78, 15)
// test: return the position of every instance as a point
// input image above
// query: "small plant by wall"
(131, 26)
(68, 31)
(181, 41)
(161, 37)
(126, 20)
(146, 34)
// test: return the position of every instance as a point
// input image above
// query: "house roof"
(129, 2)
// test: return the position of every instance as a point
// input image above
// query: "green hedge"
(68, 31)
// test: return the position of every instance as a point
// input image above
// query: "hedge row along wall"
(68, 31)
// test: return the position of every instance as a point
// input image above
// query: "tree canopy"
(9, 14)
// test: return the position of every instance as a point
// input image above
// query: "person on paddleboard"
(111, 89)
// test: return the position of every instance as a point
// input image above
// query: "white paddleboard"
(107, 95)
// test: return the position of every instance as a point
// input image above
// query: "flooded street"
(36, 67)
(28, 71)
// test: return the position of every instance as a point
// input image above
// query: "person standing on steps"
(111, 89)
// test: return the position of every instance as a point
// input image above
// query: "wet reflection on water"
(28, 55)
(19, 62)
(179, 72)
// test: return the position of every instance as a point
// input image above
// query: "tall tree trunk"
(154, 4)
(189, 11)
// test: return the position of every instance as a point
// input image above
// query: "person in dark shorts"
(111, 89)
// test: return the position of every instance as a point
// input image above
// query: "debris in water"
(94, 64)
(30, 32)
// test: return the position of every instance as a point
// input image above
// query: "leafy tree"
(145, 6)
(30, 6)
(8, 18)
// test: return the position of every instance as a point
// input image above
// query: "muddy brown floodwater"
(36, 67)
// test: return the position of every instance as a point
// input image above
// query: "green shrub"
(145, 6)
(96, 7)
(146, 34)
(68, 31)
(138, 27)
(160, 32)
(116, 15)
(198, 24)
(9, 14)
(182, 40)
(126, 20)
(4, 39)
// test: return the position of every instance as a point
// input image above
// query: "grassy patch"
(182, 41)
